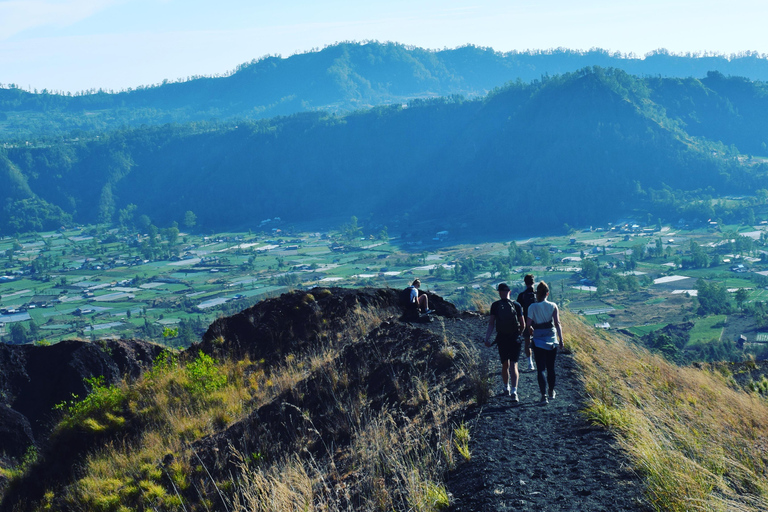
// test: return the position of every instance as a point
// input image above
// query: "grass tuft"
(461, 441)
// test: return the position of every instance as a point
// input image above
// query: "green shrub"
(204, 375)
(101, 410)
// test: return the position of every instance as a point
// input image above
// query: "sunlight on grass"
(698, 442)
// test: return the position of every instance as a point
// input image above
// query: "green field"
(642, 330)
(707, 329)
(110, 284)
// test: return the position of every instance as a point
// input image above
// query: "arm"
(558, 327)
(520, 320)
(491, 325)
(529, 326)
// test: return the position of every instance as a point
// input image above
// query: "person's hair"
(541, 291)
(415, 282)
(528, 279)
(503, 287)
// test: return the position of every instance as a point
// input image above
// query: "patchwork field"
(92, 283)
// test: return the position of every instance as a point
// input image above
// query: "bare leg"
(423, 302)
(514, 375)
(505, 372)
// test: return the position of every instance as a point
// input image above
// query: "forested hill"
(580, 148)
(340, 78)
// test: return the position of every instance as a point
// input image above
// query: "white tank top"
(541, 312)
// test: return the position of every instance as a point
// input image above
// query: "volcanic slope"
(325, 400)
(338, 405)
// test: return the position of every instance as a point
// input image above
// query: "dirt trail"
(529, 456)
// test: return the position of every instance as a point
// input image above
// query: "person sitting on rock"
(507, 318)
(421, 299)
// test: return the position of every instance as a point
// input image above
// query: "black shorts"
(509, 347)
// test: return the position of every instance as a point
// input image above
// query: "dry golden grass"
(396, 467)
(173, 411)
(398, 462)
(699, 443)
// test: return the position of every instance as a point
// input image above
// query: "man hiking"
(507, 318)
(526, 298)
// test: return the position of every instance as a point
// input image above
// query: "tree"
(741, 297)
(34, 330)
(352, 230)
(590, 270)
(698, 257)
(713, 298)
(190, 219)
(384, 234)
(171, 234)
(144, 222)
(125, 216)
(18, 334)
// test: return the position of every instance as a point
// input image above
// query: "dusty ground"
(538, 457)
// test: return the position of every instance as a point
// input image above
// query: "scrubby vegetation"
(363, 420)
(696, 437)
(365, 414)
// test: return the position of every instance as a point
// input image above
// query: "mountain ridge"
(593, 133)
(339, 78)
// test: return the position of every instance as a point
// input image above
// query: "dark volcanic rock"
(317, 413)
(33, 379)
(15, 432)
(292, 322)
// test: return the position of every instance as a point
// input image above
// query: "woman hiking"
(544, 317)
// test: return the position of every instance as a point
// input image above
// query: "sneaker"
(515, 398)
(544, 400)
(530, 366)
(429, 311)
(552, 394)
(509, 390)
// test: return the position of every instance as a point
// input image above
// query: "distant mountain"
(574, 149)
(338, 79)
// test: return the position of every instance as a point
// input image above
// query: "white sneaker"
(552, 394)
(515, 398)
(544, 400)
(530, 366)
(507, 390)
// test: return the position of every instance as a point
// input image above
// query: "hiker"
(507, 318)
(422, 300)
(544, 318)
(525, 299)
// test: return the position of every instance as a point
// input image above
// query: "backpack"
(405, 297)
(526, 298)
(506, 318)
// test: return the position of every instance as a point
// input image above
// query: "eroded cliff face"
(33, 379)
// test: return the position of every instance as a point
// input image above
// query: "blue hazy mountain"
(340, 78)
(575, 149)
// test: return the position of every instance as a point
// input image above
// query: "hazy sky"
(73, 45)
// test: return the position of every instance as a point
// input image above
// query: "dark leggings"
(545, 360)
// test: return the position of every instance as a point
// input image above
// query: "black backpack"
(526, 298)
(405, 297)
(506, 318)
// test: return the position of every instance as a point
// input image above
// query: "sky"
(76, 45)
